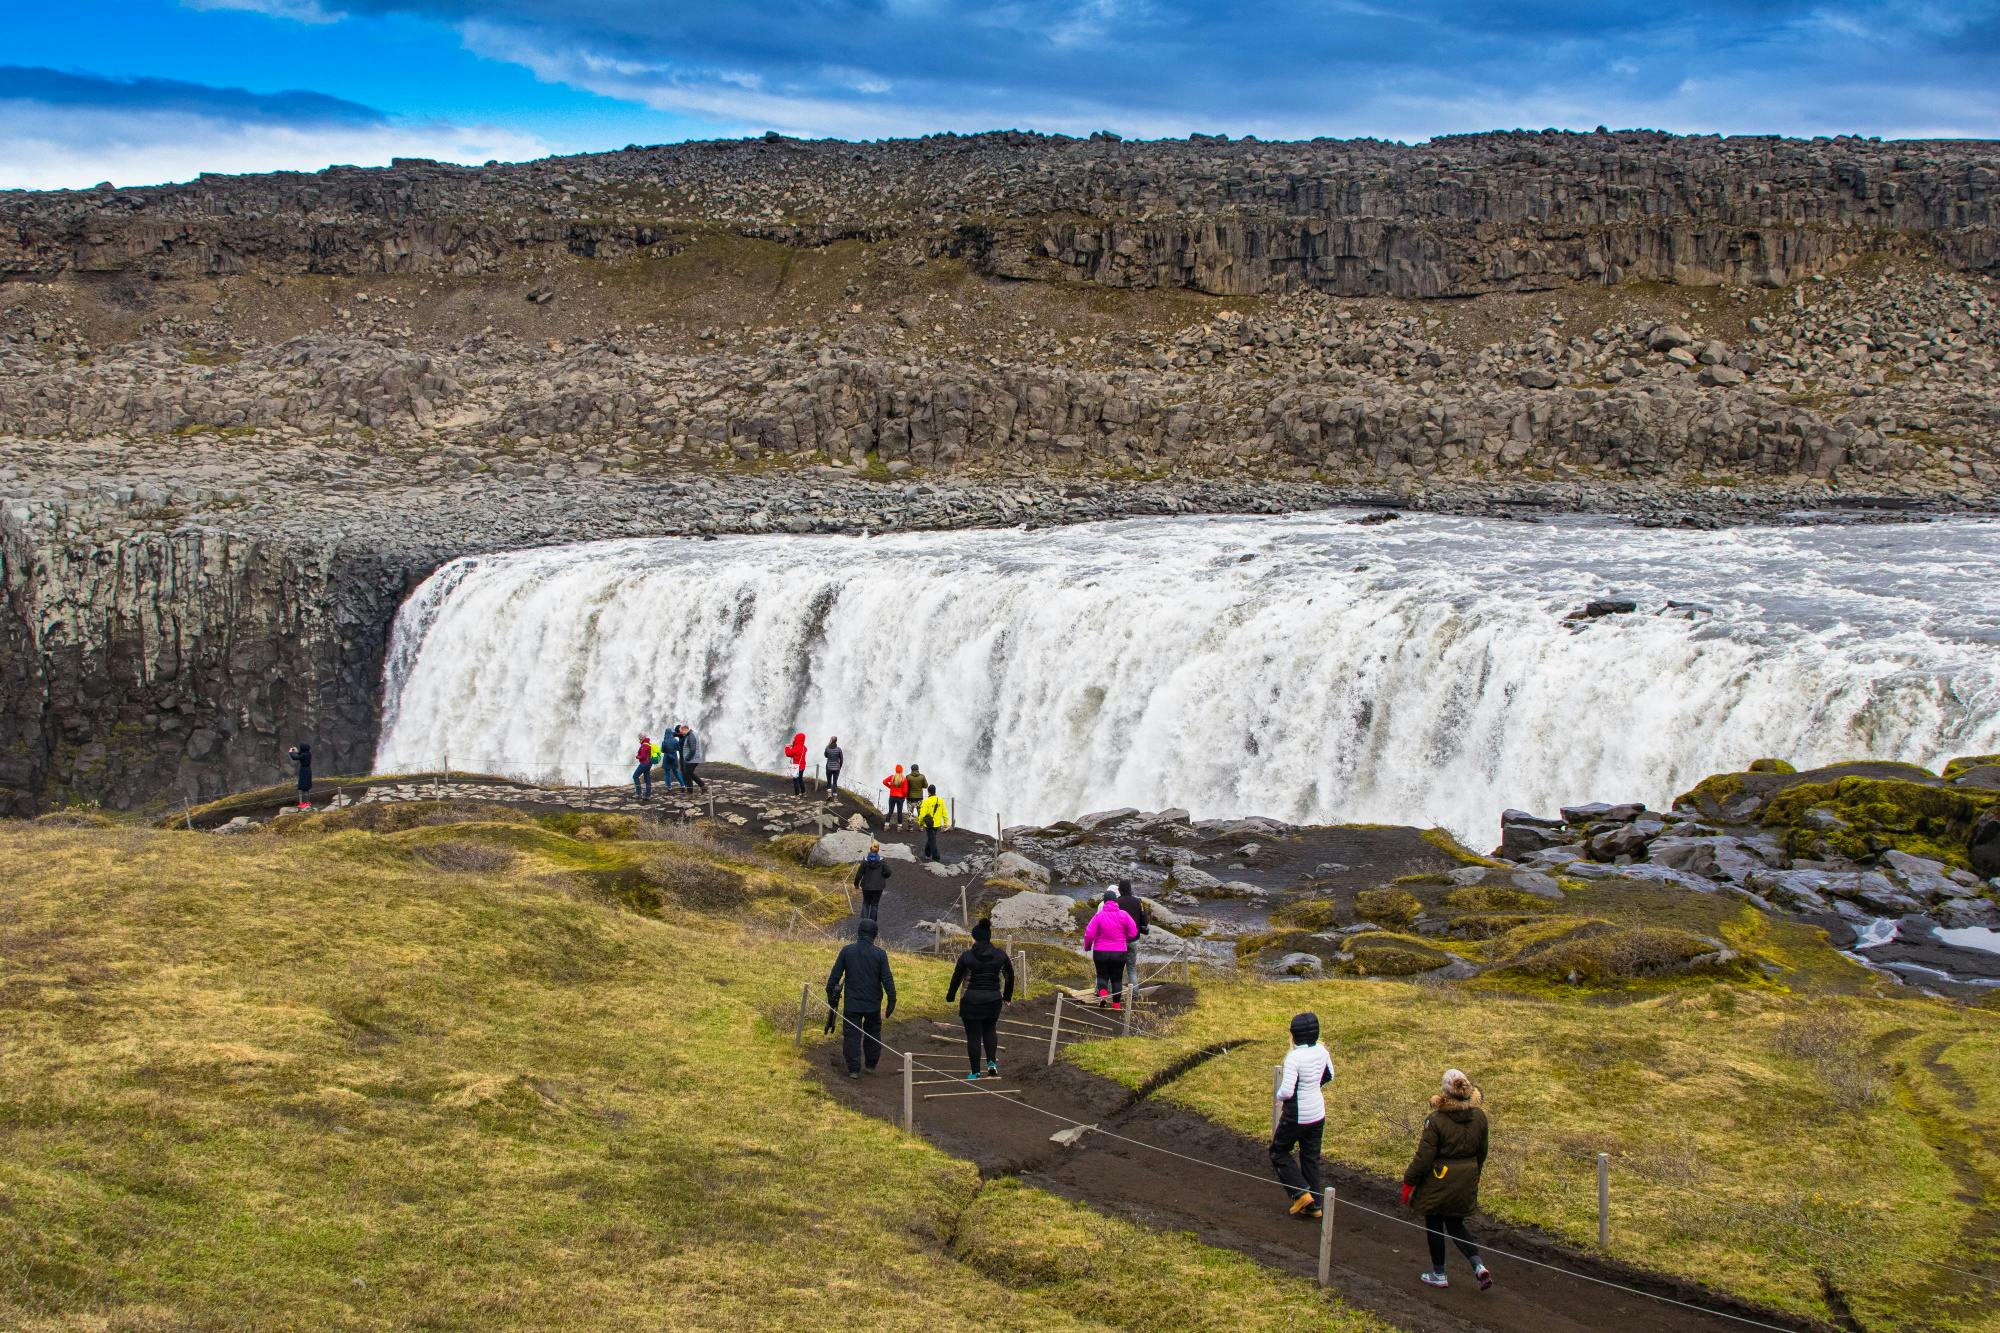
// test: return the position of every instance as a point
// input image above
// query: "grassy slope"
(315, 1081)
(1762, 1136)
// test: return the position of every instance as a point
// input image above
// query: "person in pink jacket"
(1108, 938)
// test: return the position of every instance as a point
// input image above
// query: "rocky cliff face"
(1453, 217)
(163, 667)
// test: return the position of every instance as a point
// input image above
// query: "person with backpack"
(871, 877)
(691, 754)
(1442, 1182)
(862, 990)
(796, 752)
(670, 759)
(919, 785)
(1128, 898)
(834, 760)
(898, 784)
(644, 771)
(1107, 939)
(302, 755)
(932, 815)
(1302, 1116)
(987, 975)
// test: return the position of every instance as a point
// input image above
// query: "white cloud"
(298, 11)
(57, 148)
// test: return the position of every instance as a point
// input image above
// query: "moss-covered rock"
(1771, 766)
(1387, 907)
(1494, 898)
(1861, 817)
(1489, 925)
(792, 847)
(1599, 953)
(1389, 954)
(1308, 914)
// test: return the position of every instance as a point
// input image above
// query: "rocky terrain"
(240, 417)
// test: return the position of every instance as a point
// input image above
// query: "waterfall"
(1302, 667)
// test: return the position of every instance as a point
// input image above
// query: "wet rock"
(1717, 857)
(1601, 607)
(1599, 811)
(1530, 881)
(1983, 849)
(1923, 879)
(1035, 911)
(1627, 840)
(848, 847)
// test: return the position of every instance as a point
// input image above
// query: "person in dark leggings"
(644, 772)
(1107, 939)
(691, 754)
(1442, 1182)
(1302, 1116)
(987, 976)
(836, 759)
(871, 877)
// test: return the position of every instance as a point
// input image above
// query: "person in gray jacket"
(691, 754)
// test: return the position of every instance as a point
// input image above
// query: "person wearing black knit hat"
(987, 976)
(1302, 1116)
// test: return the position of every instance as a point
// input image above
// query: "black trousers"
(1435, 1225)
(852, 1044)
(1302, 1176)
(930, 845)
(896, 811)
(832, 781)
(981, 1033)
(871, 904)
(1111, 973)
(687, 772)
(799, 782)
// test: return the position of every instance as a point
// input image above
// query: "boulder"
(1101, 817)
(1956, 913)
(1793, 890)
(848, 847)
(1983, 850)
(1603, 606)
(1923, 878)
(1625, 840)
(1533, 881)
(1718, 857)
(1295, 966)
(1035, 911)
(1669, 336)
(1597, 811)
(1013, 865)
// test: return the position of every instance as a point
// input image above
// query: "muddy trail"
(1005, 1130)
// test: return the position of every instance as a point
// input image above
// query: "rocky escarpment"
(1452, 217)
(156, 666)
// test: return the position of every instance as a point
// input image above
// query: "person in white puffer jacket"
(1302, 1116)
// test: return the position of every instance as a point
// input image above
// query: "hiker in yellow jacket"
(932, 815)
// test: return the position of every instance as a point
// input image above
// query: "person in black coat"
(987, 976)
(867, 996)
(302, 755)
(871, 877)
(1128, 898)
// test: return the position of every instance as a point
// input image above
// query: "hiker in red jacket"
(796, 752)
(898, 784)
(644, 772)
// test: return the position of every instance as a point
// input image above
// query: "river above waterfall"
(1305, 667)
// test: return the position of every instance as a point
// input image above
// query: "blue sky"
(138, 91)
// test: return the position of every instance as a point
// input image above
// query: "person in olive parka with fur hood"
(1442, 1182)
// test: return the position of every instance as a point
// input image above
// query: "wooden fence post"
(1055, 1028)
(1277, 1077)
(909, 1093)
(1604, 1201)
(1326, 1236)
(805, 998)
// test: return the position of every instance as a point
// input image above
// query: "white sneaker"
(1434, 1279)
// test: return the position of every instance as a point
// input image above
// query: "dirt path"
(1376, 1260)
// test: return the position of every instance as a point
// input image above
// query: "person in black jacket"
(871, 877)
(835, 759)
(1128, 898)
(987, 974)
(302, 755)
(870, 997)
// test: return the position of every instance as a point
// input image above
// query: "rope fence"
(1078, 1128)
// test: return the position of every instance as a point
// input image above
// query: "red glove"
(1408, 1190)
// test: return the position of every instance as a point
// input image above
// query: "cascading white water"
(1302, 667)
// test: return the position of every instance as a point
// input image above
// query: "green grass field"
(489, 1073)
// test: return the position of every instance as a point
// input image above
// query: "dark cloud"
(67, 91)
(1282, 66)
